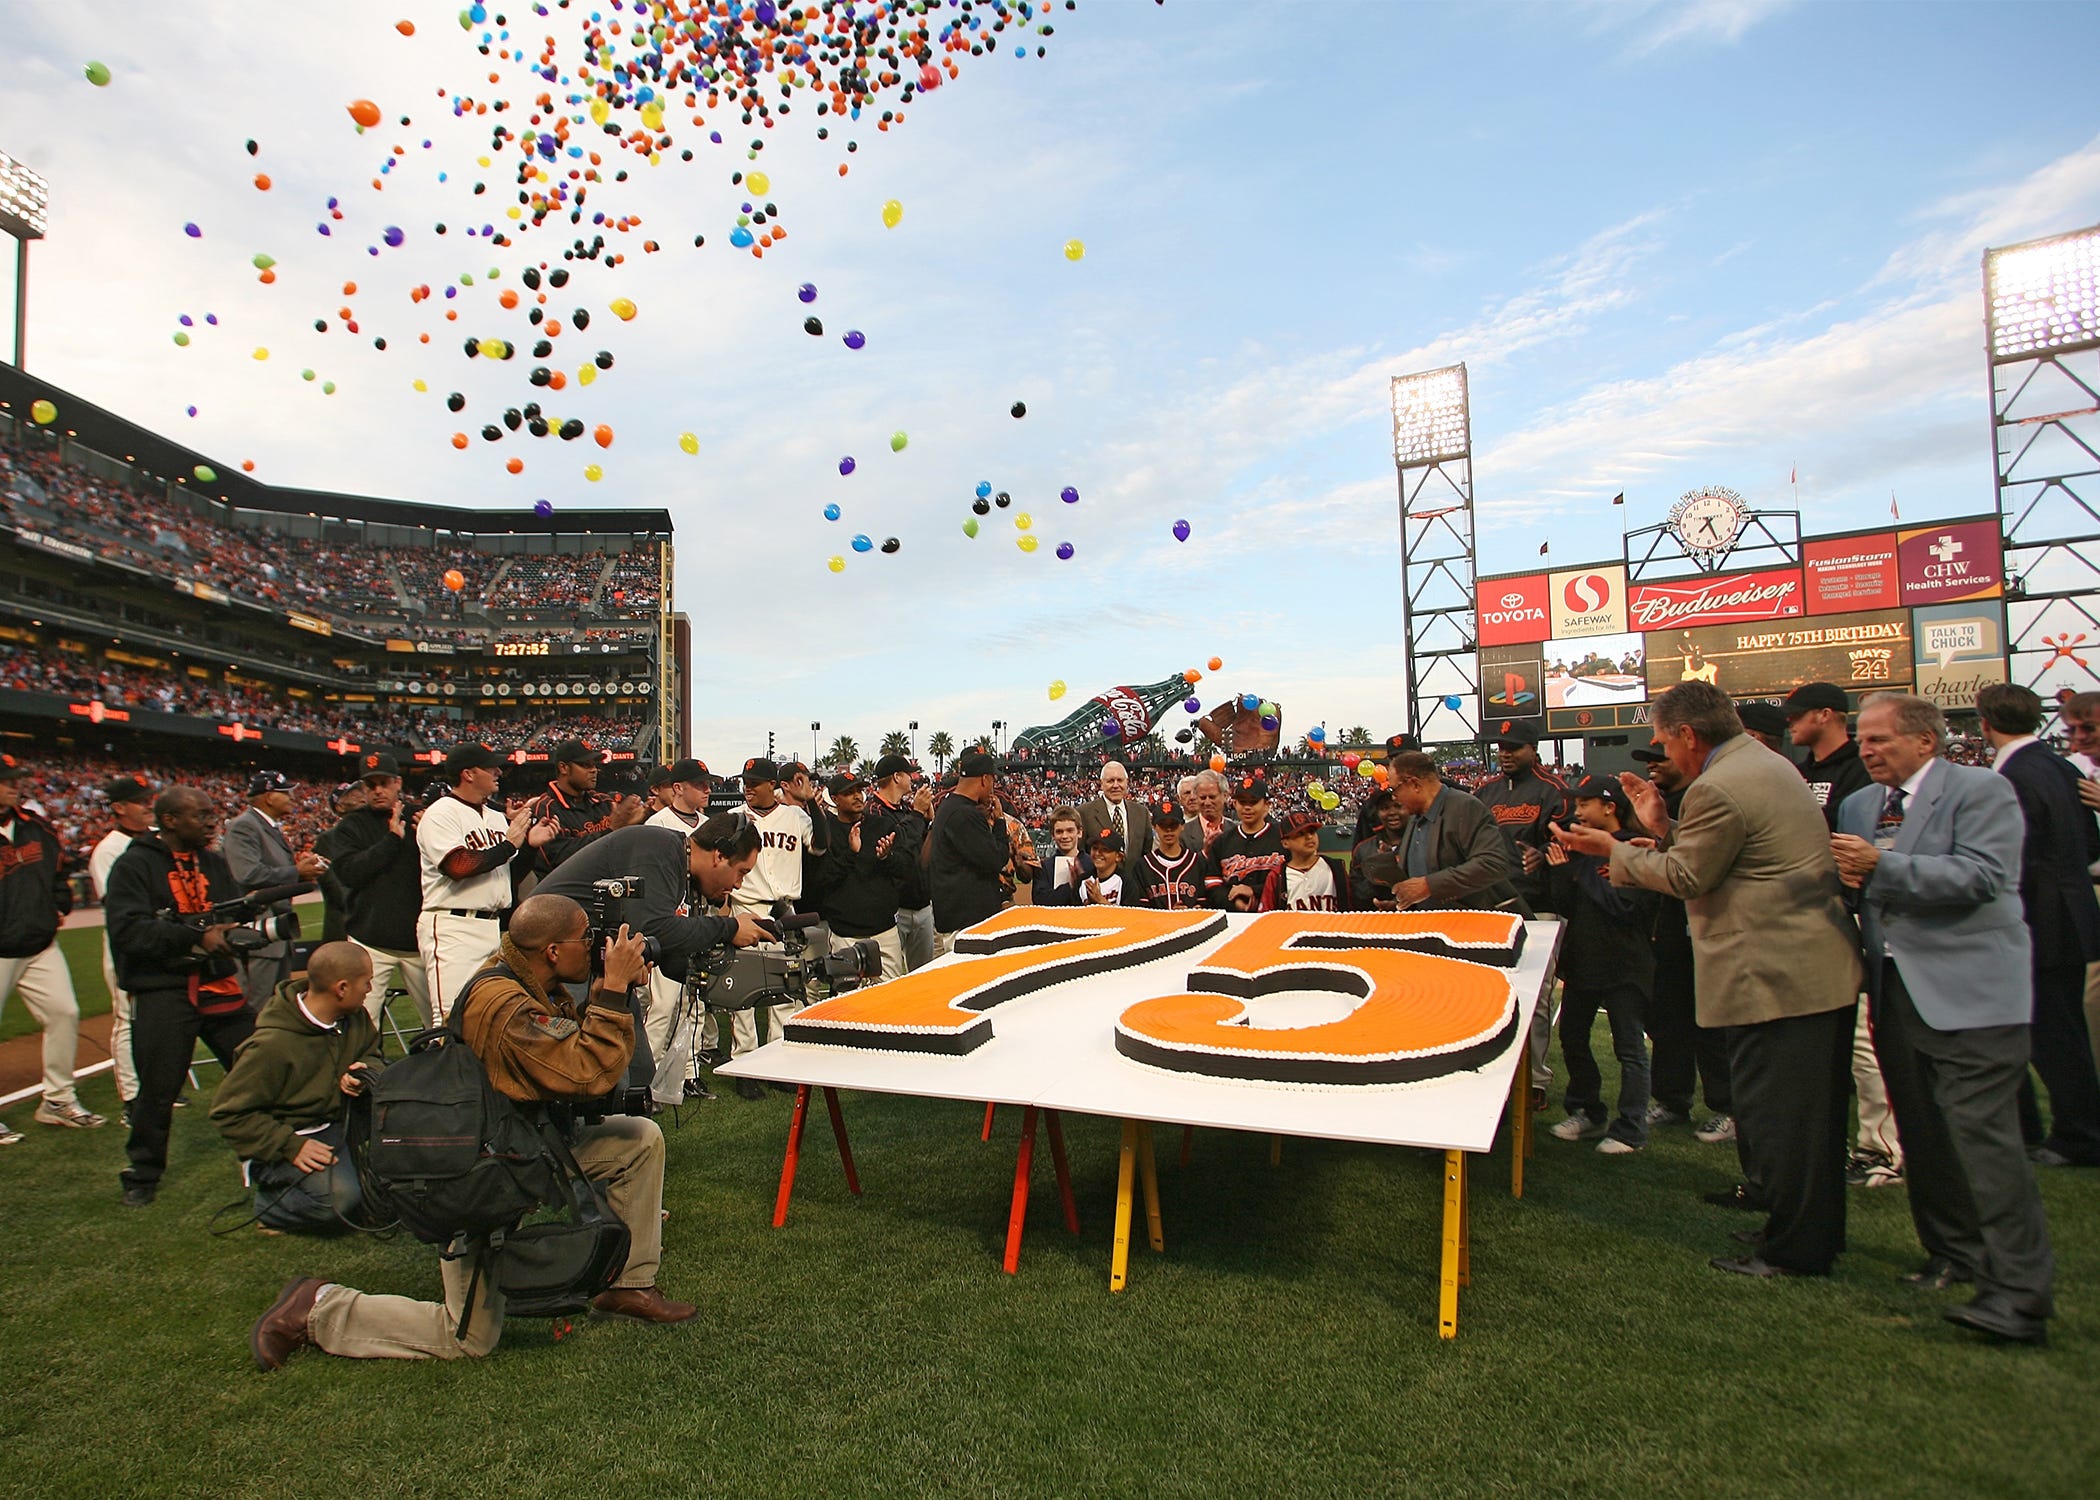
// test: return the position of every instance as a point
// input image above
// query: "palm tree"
(1356, 737)
(940, 745)
(896, 742)
(843, 752)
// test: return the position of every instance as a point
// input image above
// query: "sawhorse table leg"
(793, 1159)
(1135, 1164)
(1024, 1160)
(988, 1109)
(1456, 1268)
(1520, 1125)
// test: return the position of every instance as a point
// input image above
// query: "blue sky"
(1675, 245)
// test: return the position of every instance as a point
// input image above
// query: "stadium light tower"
(2042, 316)
(1433, 450)
(24, 199)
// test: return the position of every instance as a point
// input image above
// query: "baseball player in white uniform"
(784, 831)
(466, 847)
(131, 804)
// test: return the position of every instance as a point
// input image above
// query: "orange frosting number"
(1020, 951)
(1422, 1014)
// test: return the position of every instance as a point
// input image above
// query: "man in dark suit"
(1934, 853)
(1451, 854)
(2063, 919)
(1116, 811)
(261, 857)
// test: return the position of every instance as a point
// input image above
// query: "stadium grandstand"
(154, 605)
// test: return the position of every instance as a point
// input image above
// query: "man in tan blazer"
(1117, 811)
(1777, 959)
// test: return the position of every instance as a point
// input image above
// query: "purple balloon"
(393, 237)
(1110, 729)
(1194, 705)
(1181, 531)
(1064, 551)
(193, 231)
(807, 292)
(212, 318)
(1270, 722)
(543, 507)
(855, 338)
(846, 465)
(1069, 495)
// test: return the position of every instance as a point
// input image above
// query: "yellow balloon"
(892, 212)
(759, 183)
(43, 413)
(688, 442)
(652, 117)
(481, 161)
(515, 212)
(837, 565)
(585, 374)
(593, 473)
(1025, 543)
(1023, 521)
(1075, 250)
(1057, 690)
(421, 386)
(262, 354)
(623, 308)
(600, 113)
(492, 348)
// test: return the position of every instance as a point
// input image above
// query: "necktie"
(1121, 832)
(1891, 819)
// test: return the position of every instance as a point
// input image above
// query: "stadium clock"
(521, 648)
(1708, 521)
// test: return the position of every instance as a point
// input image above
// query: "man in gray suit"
(1117, 811)
(1776, 955)
(261, 856)
(1934, 852)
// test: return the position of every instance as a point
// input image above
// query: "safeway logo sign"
(1513, 610)
(1771, 595)
(1588, 601)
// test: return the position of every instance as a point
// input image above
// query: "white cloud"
(1652, 26)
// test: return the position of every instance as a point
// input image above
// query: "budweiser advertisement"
(1587, 601)
(1851, 573)
(1738, 599)
(1513, 610)
(1861, 653)
(1953, 561)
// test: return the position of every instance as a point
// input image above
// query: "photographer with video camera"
(864, 867)
(540, 1048)
(172, 906)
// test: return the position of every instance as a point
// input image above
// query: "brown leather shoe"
(282, 1330)
(644, 1302)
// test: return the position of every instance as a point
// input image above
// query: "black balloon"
(891, 544)
(603, 359)
(558, 277)
(455, 402)
(537, 426)
(1019, 409)
(543, 348)
(572, 429)
(514, 419)
(541, 375)
(982, 506)
(532, 277)
(473, 347)
(531, 408)
(813, 326)
(1002, 499)
(580, 319)
(492, 433)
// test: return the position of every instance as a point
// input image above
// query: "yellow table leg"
(1465, 1231)
(1453, 1271)
(1148, 1176)
(1119, 1259)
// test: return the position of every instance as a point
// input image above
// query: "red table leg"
(794, 1157)
(1064, 1173)
(1019, 1217)
(838, 1131)
(988, 1108)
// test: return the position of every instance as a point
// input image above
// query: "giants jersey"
(784, 832)
(671, 817)
(113, 843)
(1170, 884)
(449, 824)
(1311, 890)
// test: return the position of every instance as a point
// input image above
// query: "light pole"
(913, 750)
(815, 749)
(24, 198)
(998, 736)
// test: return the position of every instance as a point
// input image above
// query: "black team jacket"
(384, 875)
(34, 893)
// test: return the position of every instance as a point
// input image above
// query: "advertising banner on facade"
(1512, 683)
(1860, 653)
(1960, 651)
(1587, 601)
(1847, 574)
(1513, 610)
(1949, 562)
(1737, 598)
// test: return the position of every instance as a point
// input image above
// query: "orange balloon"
(459, 440)
(603, 435)
(349, 289)
(365, 112)
(455, 580)
(558, 380)
(262, 182)
(248, 466)
(267, 278)
(406, 28)
(1217, 763)
(516, 466)
(509, 299)
(1217, 663)
(1192, 677)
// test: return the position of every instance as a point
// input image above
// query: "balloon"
(846, 465)
(515, 465)
(1064, 551)
(42, 412)
(1110, 729)
(1366, 769)
(1023, 521)
(260, 353)
(1075, 250)
(814, 327)
(832, 512)
(1057, 690)
(365, 112)
(407, 28)
(1181, 531)
(593, 473)
(855, 339)
(984, 489)
(1194, 706)
(455, 401)
(760, 184)
(1217, 763)
(97, 73)
(898, 441)
(742, 238)
(585, 374)
(1270, 722)
(970, 527)
(1192, 677)
(1351, 760)
(982, 507)
(688, 443)
(263, 262)
(1319, 737)
(1018, 410)
(602, 435)
(837, 565)
(861, 543)
(541, 507)
(328, 387)
(1265, 707)
(892, 212)
(1002, 499)
(493, 348)
(1069, 495)
(205, 475)
(262, 182)
(459, 440)
(890, 545)
(455, 580)
(1316, 788)
(1025, 542)
(1249, 702)
(623, 308)
(1216, 663)
(807, 291)
(193, 231)
(247, 466)
(306, 375)
(1452, 701)
(181, 339)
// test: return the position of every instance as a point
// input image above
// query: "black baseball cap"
(1813, 695)
(661, 776)
(1603, 787)
(1168, 816)
(1254, 788)
(1650, 754)
(758, 769)
(1299, 823)
(12, 769)
(377, 765)
(689, 770)
(466, 758)
(790, 769)
(976, 763)
(845, 784)
(889, 766)
(264, 782)
(577, 753)
(1514, 732)
(1765, 718)
(1401, 742)
(127, 789)
(335, 798)
(1107, 841)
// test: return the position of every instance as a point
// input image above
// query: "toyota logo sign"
(1512, 601)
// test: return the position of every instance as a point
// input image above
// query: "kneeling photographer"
(658, 881)
(539, 1047)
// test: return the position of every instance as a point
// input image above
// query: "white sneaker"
(1576, 1128)
(1662, 1114)
(1882, 1173)
(9, 1136)
(1717, 1131)
(72, 1116)
(1611, 1145)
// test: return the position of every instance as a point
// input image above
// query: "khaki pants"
(120, 1028)
(892, 945)
(1877, 1122)
(452, 948)
(389, 965)
(46, 987)
(625, 1155)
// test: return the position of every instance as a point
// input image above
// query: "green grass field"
(1285, 1343)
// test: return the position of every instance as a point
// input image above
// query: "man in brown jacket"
(1777, 959)
(536, 1044)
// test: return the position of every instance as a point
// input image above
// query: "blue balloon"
(1069, 495)
(1316, 735)
(543, 507)
(984, 489)
(1453, 701)
(741, 237)
(1250, 701)
(863, 543)
(855, 339)
(831, 512)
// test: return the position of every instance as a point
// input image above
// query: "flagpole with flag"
(1894, 514)
(1793, 478)
(1543, 548)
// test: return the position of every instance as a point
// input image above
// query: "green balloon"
(182, 340)
(328, 387)
(306, 374)
(264, 262)
(205, 474)
(897, 442)
(97, 74)
(970, 527)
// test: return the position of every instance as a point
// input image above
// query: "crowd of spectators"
(534, 582)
